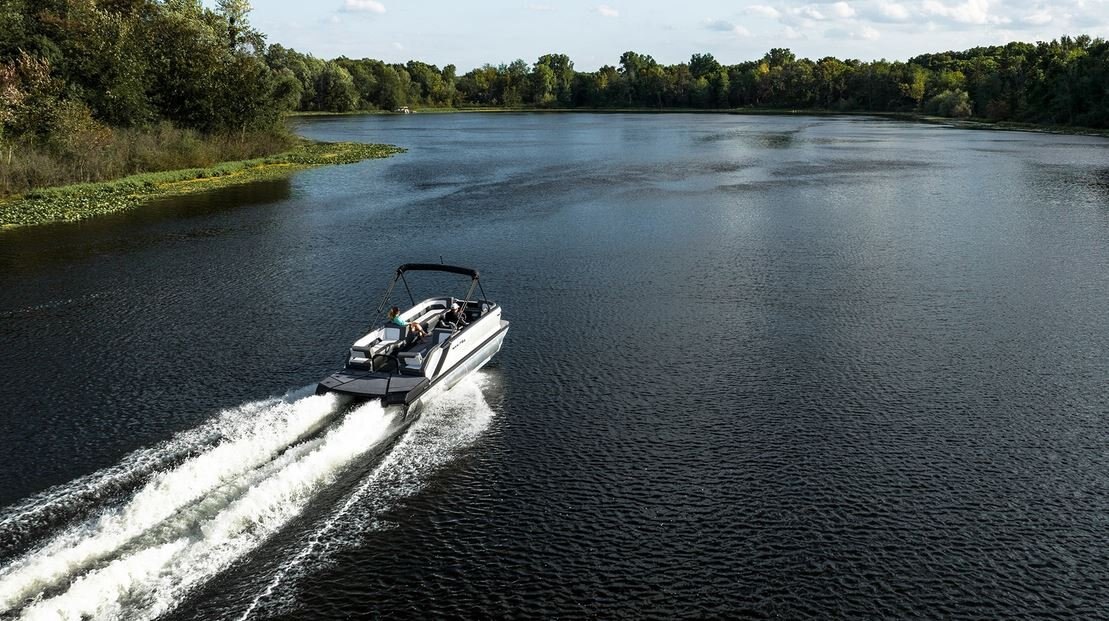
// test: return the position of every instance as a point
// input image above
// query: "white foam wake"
(215, 505)
(149, 582)
(233, 483)
(61, 502)
(449, 425)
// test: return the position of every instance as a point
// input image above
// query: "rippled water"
(758, 366)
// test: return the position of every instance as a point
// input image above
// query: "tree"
(77, 137)
(254, 104)
(914, 85)
(703, 65)
(364, 74)
(719, 88)
(543, 85)
(185, 54)
(393, 94)
(512, 85)
(428, 80)
(448, 90)
(335, 91)
(29, 97)
(13, 31)
(287, 90)
(831, 82)
(477, 85)
(562, 76)
(107, 61)
(239, 32)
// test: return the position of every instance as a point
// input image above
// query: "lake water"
(758, 367)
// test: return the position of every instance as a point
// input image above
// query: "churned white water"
(450, 424)
(222, 490)
(39, 510)
(188, 522)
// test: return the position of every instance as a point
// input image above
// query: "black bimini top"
(436, 267)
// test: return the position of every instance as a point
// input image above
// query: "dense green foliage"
(95, 89)
(135, 62)
(1060, 82)
(78, 202)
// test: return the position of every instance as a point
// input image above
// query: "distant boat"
(403, 110)
(392, 364)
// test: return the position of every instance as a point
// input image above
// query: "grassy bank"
(78, 202)
(109, 153)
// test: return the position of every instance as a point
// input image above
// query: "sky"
(469, 33)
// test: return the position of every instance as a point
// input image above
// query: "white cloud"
(1039, 18)
(893, 11)
(970, 12)
(1087, 17)
(541, 8)
(865, 33)
(608, 11)
(720, 25)
(398, 45)
(792, 33)
(842, 10)
(764, 11)
(818, 12)
(810, 12)
(363, 6)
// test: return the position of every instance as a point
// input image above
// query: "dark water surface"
(766, 367)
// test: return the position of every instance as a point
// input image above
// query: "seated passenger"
(414, 326)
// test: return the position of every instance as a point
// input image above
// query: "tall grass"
(86, 200)
(27, 166)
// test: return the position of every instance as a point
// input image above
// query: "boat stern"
(391, 389)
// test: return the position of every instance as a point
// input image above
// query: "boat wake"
(23, 522)
(451, 424)
(202, 501)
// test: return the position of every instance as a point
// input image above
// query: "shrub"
(997, 110)
(955, 104)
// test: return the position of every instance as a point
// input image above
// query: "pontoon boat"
(394, 364)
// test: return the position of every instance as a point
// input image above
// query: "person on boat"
(453, 317)
(413, 326)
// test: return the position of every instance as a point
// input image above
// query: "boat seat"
(411, 360)
(363, 355)
(393, 338)
(394, 333)
(429, 319)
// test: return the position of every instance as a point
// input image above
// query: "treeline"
(1060, 82)
(96, 89)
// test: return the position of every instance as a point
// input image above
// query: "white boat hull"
(477, 360)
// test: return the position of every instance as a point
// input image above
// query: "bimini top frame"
(433, 267)
(436, 267)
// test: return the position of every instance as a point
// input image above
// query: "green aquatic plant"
(79, 202)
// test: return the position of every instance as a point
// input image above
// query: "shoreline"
(917, 117)
(73, 203)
